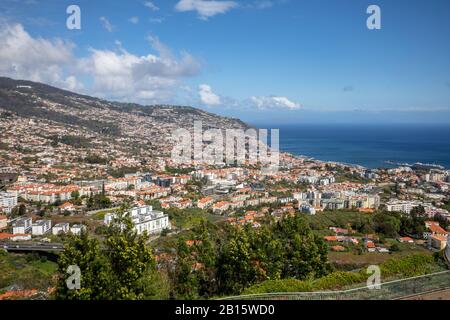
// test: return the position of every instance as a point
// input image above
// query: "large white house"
(60, 228)
(41, 227)
(145, 219)
(22, 225)
(76, 229)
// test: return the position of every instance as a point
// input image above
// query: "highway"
(51, 247)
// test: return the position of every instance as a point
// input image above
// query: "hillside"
(36, 118)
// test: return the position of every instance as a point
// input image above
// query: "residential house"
(204, 203)
(60, 228)
(77, 229)
(22, 225)
(438, 242)
(406, 240)
(41, 227)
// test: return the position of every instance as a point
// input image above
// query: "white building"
(3, 222)
(41, 227)
(22, 225)
(447, 250)
(7, 201)
(145, 219)
(305, 208)
(76, 229)
(402, 206)
(60, 228)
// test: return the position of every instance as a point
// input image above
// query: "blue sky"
(267, 61)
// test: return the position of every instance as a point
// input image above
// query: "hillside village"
(61, 178)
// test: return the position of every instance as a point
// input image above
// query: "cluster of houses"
(24, 228)
(248, 218)
(435, 237)
(406, 206)
(314, 200)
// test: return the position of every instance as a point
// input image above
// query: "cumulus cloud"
(207, 96)
(274, 102)
(151, 5)
(115, 74)
(36, 59)
(205, 8)
(122, 75)
(106, 24)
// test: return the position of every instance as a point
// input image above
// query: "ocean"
(368, 145)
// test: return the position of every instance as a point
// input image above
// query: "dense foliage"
(121, 268)
(212, 263)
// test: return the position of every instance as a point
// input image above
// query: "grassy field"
(350, 260)
(27, 271)
(342, 219)
(402, 267)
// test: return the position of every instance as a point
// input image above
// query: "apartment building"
(145, 219)
(41, 227)
(7, 201)
(60, 228)
(22, 225)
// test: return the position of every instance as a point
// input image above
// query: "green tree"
(75, 194)
(19, 211)
(195, 274)
(85, 253)
(235, 270)
(305, 254)
(123, 269)
(129, 258)
(387, 224)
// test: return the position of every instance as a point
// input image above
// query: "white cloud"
(36, 59)
(205, 8)
(207, 96)
(134, 20)
(274, 102)
(115, 74)
(153, 78)
(151, 5)
(106, 24)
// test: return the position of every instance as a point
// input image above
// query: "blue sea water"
(369, 145)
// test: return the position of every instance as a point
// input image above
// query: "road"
(52, 247)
